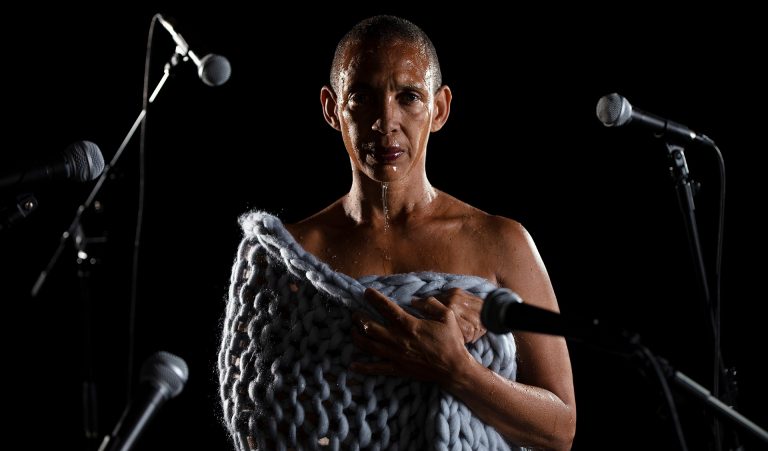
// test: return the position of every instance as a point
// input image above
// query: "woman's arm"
(538, 410)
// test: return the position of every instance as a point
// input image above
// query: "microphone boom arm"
(692, 388)
(100, 182)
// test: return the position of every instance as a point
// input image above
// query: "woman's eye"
(410, 97)
(358, 98)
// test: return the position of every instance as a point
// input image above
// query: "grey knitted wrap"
(286, 348)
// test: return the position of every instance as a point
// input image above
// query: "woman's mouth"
(388, 154)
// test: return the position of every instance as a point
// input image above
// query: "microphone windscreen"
(214, 70)
(84, 160)
(165, 370)
(613, 110)
(494, 310)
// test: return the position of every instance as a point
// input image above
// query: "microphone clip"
(213, 70)
(20, 207)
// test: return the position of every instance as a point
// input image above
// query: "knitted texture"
(286, 348)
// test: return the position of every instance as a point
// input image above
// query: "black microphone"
(162, 377)
(614, 110)
(214, 70)
(81, 161)
(504, 311)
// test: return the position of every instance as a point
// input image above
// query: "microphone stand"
(667, 373)
(75, 230)
(97, 187)
(90, 403)
(686, 190)
(503, 312)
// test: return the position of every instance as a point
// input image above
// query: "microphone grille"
(214, 70)
(84, 160)
(167, 370)
(613, 110)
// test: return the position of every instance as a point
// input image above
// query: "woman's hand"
(429, 349)
(467, 308)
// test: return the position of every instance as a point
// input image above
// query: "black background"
(522, 141)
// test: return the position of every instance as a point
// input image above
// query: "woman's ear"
(328, 100)
(442, 104)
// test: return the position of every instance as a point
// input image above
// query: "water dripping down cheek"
(368, 148)
(368, 153)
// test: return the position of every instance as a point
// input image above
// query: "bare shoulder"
(510, 250)
(495, 230)
(511, 231)
(516, 242)
(523, 269)
(510, 237)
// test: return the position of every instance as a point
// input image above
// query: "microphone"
(81, 161)
(504, 311)
(214, 70)
(162, 377)
(614, 110)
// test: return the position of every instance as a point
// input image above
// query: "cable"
(651, 359)
(719, 368)
(139, 210)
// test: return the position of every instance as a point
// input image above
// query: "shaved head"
(385, 30)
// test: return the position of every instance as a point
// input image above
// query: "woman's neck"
(371, 201)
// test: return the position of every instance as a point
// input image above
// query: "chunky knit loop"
(286, 349)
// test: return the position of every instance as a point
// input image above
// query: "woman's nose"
(387, 119)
